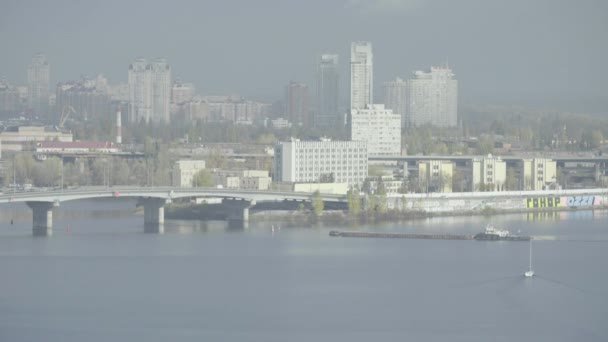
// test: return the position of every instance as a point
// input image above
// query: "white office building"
(149, 91)
(322, 161)
(433, 98)
(361, 75)
(378, 126)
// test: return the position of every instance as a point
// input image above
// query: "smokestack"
(118, 126)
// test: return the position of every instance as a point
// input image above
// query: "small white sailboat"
(530, 272)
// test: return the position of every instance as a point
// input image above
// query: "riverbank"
(205, 212)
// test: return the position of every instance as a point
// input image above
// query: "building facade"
(297, 99)
(395, 98)
(433, 98)
(38, 73)
(24, 137)
(435, 175)
(149, 91)
(322, 161)
(488, 174)
(327, 112)
(537, 173)
(184, 170)
(88, 98)
(182, 92)
(378, 126)
(10, 101)
(361, 75)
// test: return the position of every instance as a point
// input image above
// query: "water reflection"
(564, 215)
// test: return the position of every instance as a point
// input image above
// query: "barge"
(400, 235)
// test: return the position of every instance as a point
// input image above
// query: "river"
(100, 278)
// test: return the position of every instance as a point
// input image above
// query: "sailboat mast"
(530, 254)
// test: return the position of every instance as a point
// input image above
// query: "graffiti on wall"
(543, 202)
(566, 201)
(580, 201)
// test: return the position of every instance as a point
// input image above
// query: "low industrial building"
(537, 173)
(184, 170)
(488, 174)
(76, 147)
(243, 179)
(435, 175)
(391, 185)
(25, 137)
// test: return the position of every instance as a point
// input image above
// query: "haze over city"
(546, 53)
(320, 170)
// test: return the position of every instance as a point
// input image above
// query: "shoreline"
(198, 212)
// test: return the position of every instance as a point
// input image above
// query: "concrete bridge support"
(154, 214)
(239, 211)
(42, 222)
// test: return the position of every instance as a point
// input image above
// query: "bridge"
(560, 159)
(153, 200)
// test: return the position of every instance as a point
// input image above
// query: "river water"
(100, 278)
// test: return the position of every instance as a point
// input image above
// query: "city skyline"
(570, 76)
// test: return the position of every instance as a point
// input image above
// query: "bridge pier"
(42, 218)
(154, 214)
(239, 212)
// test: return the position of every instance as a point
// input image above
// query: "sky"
(517, 51)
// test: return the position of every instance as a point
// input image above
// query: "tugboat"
(494, 234)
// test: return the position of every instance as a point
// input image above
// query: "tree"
(353, 198)
(203, 178)
(317, 203)
(99, 171)
(267, 139)
(485, 145)
(404, 189)
(120, 173)
(47, 173)
(366, 187)
(380, 187)
(216, 160)
(376, 204)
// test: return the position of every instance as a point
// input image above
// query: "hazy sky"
(499, 50)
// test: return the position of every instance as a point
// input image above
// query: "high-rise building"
(87, 97)
(378, 126)
(433, 98)
(149, 91)
(161, 90)
(395, 98)
(361, 75)
(320, 161)
(38, 84)
(327, 112)
(297, 99)
(10, 102)
(140, 91)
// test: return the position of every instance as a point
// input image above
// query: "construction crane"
(65, 114)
